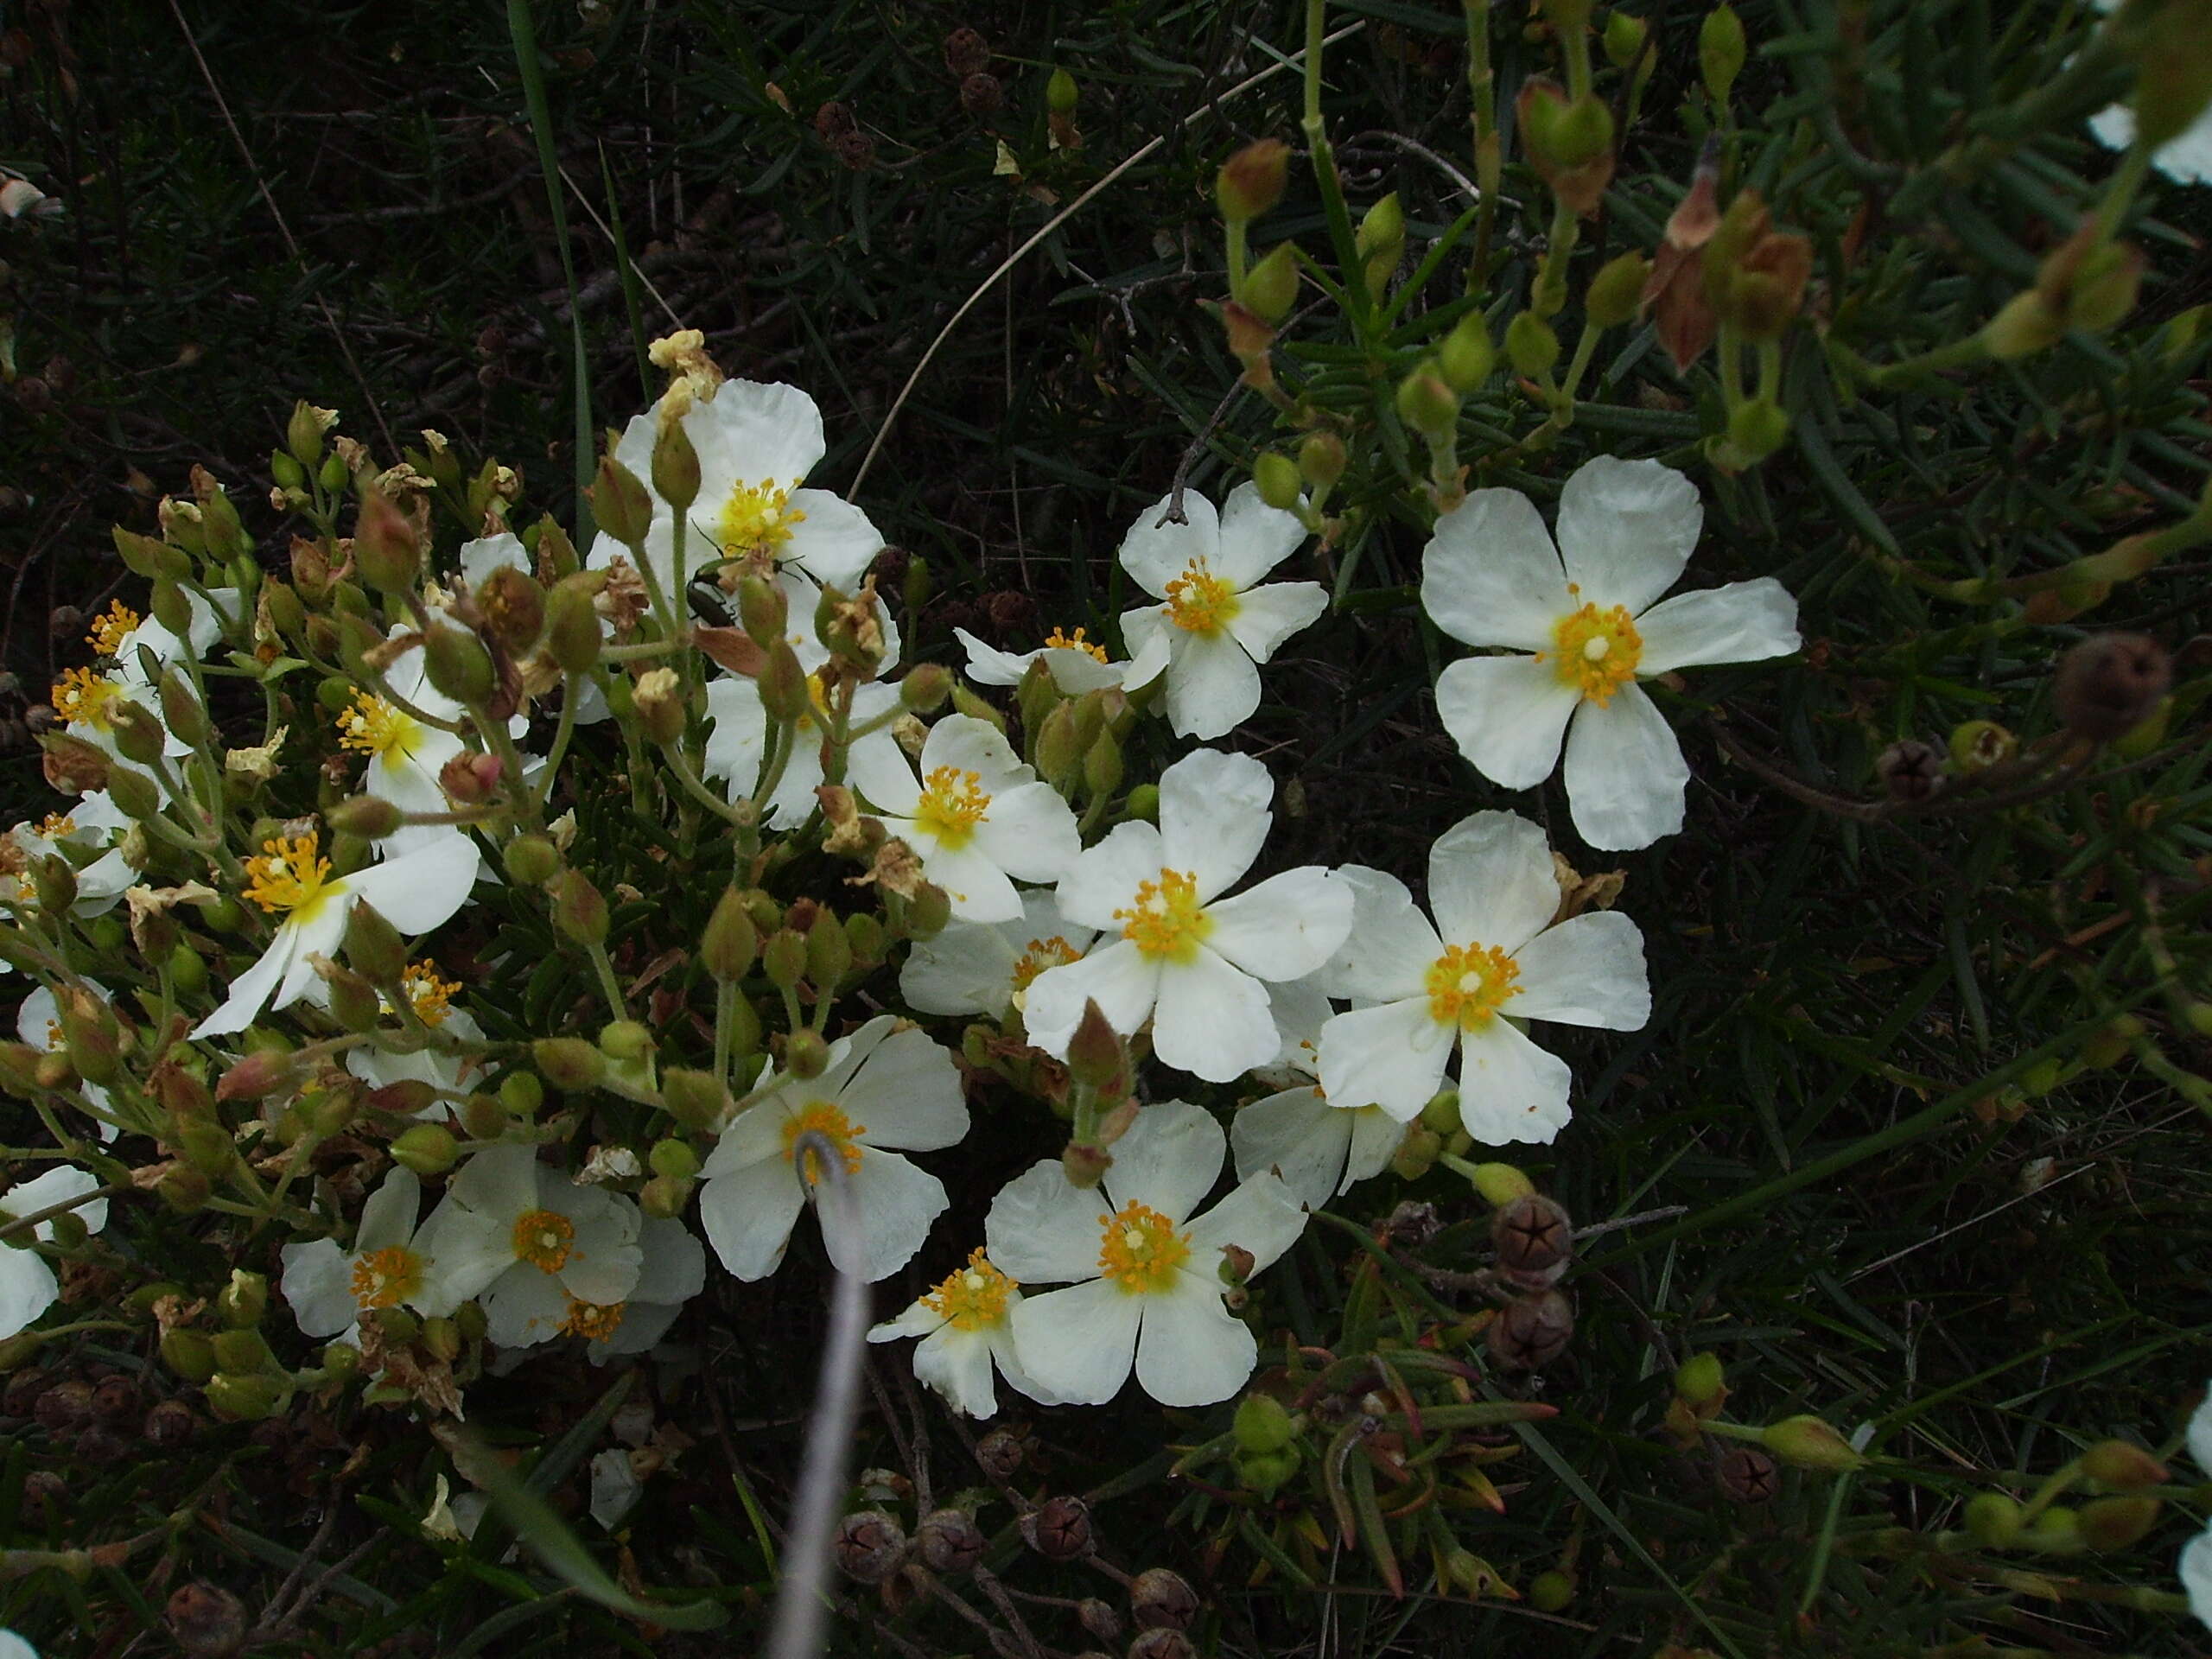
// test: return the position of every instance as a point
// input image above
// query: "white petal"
(1376, 1138)
(1286, 926)
(1167, 1161)
(27, 1288)
(895, 1201)
(1079, 1342)
(1191, 1349)
(388, 1215)
(835, 544)
(251, 990)
(1213, 816)
(886, 780)
(615, 1488)
(1300, 1135)
(1105, 878)
(1268, 616)
(1508, 715)
(1029, 832)
(56, 1186)
(2196, 1569)
(1212, 687)
(2200, 1435)
(1491, 881)
(1626, 528)
(1390, 945)
(675, 1268)
(1260, 1216)
(1156, 553)
(987, 664)
(1044, 1229)
(463, 1252)
(524, 1306)
(1744, 622)
(748, 1216)
(317, 1285)
(1005, 1353)
(1510, 1089)
(1489, 575)
(1211, 1019)
(1121, 979)
(420, 890)
(908, 1091)
(957, 1365)
(733, 747)
(967, 969)
(499, 1182)
(752, 432)
(1587, 971)
(1626, 779)
(1392, 1056)
(1254, 538)
(975, 889)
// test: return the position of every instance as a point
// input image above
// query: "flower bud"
(928, 910)
(180, 708)
(366, 816)
(676, 465)
(674, 1158)
(1720, 51)
(1096, 1056)
(155, 561)
(137, 731)
(1265, 1472)
(1530, 344)
(806, 1055)
(2174, 82)
(869, 1546)
(1570, 141)
(1270, 287)
(531, 860)
(303, 433)
(784, 957)
(428, 1149)
(1058, 1528)
(1263, 1424)
(1321, 462)
(458, 664)
(246, 1397)
(352, 999)
(572, 633)
(387, 552)
(785, 693)
(2123, 1466)
(1617, 289)
(1757, 427)
(373, 945)
(1466, 357)
(1532, 1332)
(2025, 324)
(1427, 403)
(695, 1099)
(2055, 1531)
(441, 1337)
(621, 503)
(1251, 182)
(1379, 241)
(828, 953)
(1700, 1380)
(949, 1540)
(206, 1146)
(657, 695)
(570, 1064)
(924, 688)
(1059, 750)
(1993, 1520)
(2111, 1523)
(579, 909)
(1417, 1153)
(1498, 1184)
(1276, 476)
(1623, 38)
(1061, 92)
(241, 1303)
(1806, 1442)
(731, 944)
(2110, 684)
(513, 607)
(625, 1041)
(664, 1196)
(1102, 765)
(91, 1034)
(189, 1354)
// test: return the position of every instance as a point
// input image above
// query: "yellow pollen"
(55, 1039)
(81, 695)
(545, 1239)
(757, 518)
(26, 891)
(973, 1297)
(431, 995)
(1201, 602)
(953, 803)
(1468, 984)
(593, 1321)
(841, 1130)
(1057, 641)
(1167, 919)
(287, 875)
(111, 627)
(1596, 651)
(1055, 952)
(1140, 1249)
(372, 726)
(54, 826)
(387, 1277)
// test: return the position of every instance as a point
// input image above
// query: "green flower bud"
(1379, 241)
(658, 697)
(572, 635)
(1251, 182)
(674, 1158)
(1700, 1380)
(1267, 1472)
(19, 1351)
(1530, 344)
(531, 860)
(1623, 38)
(579, 909)
(785, 693)
(303, 434)
(2123, 1466)
(664, 1196)
(387, 552)
(285, 472)
(441, 1337)
(482, 1117)
(1501, 1184)
(155, 561)
(365, 817)
(1270, 287)
(373, 946)
(137, 731)
(927, 912)
(398, 1323)
(806, 1056)
(731, 944)
(2112, 1523)
(570, 1064)
(1263, 1424)
(965, 702)
(1058, 752)
(1550, 1591)
(1466, 357)
(676, 465)
(1720, 51)
(458, 664)
(625, 1041)
(241, 1303)
(333, 475)
(1321, 462)
(1142, 804)
(2174, 81)
(1616, 289)
(695, 1099)
(189, 1354)
(1806, 1442)
(2026, 323)
(187, 970)
(2055, 1531)
(428, 1149)
(783, 958)
(621, 503)
(342, 1360)
(1276, 474)
(243, 1350)
(1096, 1056)
(924, 688)
(1993, 1520)
(181, 709)
(1061, 92)
(250, 1398)
(1101, 767)
(522, 1095)
(1427, 403)
(828, 953)
(1757, 428)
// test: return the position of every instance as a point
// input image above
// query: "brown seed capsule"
(856, 149)
(1058, 1528)
(949, 1540)
(998, 1452)
(966, 52)
(870, 1546)
(1532, 1332)
(1101, 1620)
(1910, 771)
(1747, 1475)
(1534, 1238)
(65, 622)
(209, 1622)
(2110, 684)
(170, 1424)
(96, 1443)
(116, 1400)
(44, 1489)
(981, 95)
(1160, 1600)
(66, 1405)
(22, 1391)
(832, 119)
(1162, 1644)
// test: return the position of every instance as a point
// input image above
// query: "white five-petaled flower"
(430, 996)
(556, 1252)
(975, 816)
(1076, 664)
(988, 967)
(415, 892)
(94, 822)
(1493, 959)
(674, 1270)
(883, 1089)
(432, 1269)
(1171, 948)
(737, 746)
(1218, 621)
(1587, 610)
(966, 1327)
(1319, 1147)
(27, 1286)
(1147, 1273)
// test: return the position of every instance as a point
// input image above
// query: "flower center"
(55, 826)
(593, 1321)
(1166, 920)
(431, 995)
(372, 726)
(387, 1277)
(1200, 602)
(1055, 952)
(1596, 650)
(1140, 1249)
(1468, 983)
(545, 1239)
(287, 875)
(757, 518)
(825, 1118)
(973, 1297)
(1057, 641)
(112, 628)
(953, 803)
(81, 695)
(55, 1039)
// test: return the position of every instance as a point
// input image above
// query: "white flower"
(966, 1327)
(1218, 623)
(1319, 1148)
(38, 1022)
(975, 816)
(549, 1246)
(431, 997)
(2196, 1555)
(1076, 664)
(988, 967)
(738, 746)
(615, 1487)
(884, 1087)
(14, 1647)
(1492, 960)
(1148, 1286)
(432, 1268)
(1175, 956)
(415, 892)
(1490, 576)
(204, 629)
(2185, 158)
(27, 1286)
(88, 702)
(405, 754)
(674, 1270)
(94, 821)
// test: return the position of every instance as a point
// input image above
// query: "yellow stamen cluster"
(593, 1321)
(953, 803)
(432, 996)
(287, 874)
(1595, 651)
(1037, 956)
(757, 518)
(387, 1277)
(372, 726)
(1200, 602)
(1468, 984)
(1057, 641)
(1140, 1249)
(55, 1039)
(973, 1297)
(545, 1239)
(828, 1120)
(81, 695)
(1167, 919)
(55, 825)
(112, 628)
